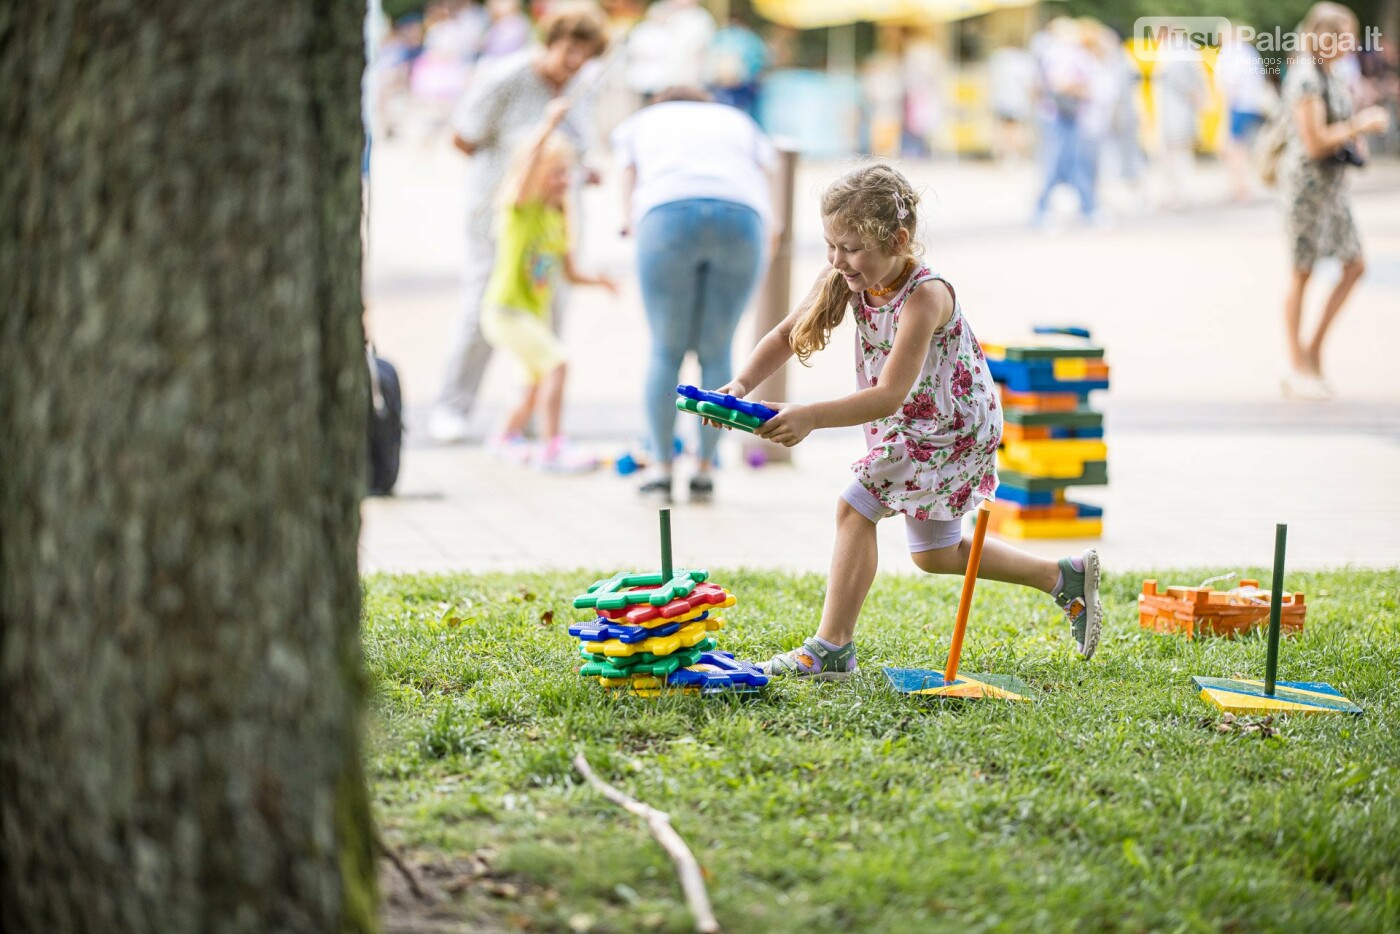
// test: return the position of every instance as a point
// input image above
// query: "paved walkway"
(1204, 455)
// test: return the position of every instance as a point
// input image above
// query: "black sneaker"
(701, 487)
(659, 488)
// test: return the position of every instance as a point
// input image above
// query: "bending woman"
(697, 185)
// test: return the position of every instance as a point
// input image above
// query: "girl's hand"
(554, 112)
(789, 426)
(732, 388)
(609, 283)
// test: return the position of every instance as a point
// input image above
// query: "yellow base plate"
(1244, 697)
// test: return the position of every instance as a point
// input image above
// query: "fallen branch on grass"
(659, 823)
(392, 855)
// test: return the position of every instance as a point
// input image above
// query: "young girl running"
(532, 251)
(930, 413)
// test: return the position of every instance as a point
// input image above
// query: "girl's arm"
(925, 311)
(572, 273)
(775, 348)
(530, 156)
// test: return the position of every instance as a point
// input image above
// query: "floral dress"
(936, 457)
(1314, 191)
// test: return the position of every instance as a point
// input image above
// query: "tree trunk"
(182, 416)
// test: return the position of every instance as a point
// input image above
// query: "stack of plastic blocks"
(1194, 611)
(1052, 438)
(651, 637)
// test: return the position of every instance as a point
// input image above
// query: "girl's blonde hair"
(874, 202)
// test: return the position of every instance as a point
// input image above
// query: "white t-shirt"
(683, 150)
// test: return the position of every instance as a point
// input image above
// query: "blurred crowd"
(686, 105)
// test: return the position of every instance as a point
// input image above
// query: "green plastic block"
(613, 593)
(659, 668)
(706, 644)
(1082, 417)
(718, 413)
(1095, 474)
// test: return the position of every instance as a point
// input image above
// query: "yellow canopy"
(811, 14)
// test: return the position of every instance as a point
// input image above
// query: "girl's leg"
(667, 275)
(519, 417)
(1000, 562)
(551, 397)
(733, 248)
(1352, 271)
(1293, 318)
(853, 564)
(831, 653)
(1073, 582)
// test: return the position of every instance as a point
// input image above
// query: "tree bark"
(182, 415)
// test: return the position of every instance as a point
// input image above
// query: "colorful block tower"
(1052, 438)
(656, 632)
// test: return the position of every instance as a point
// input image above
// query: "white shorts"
(924, 534)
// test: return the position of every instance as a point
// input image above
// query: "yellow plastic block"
(1050, 528)
(1058, 457)
(1076, 368)
(1057, 449)
(682, 638)
(993, 351)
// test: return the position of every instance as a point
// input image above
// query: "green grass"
(1112, 803)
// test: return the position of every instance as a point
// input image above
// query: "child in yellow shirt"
(532, 252)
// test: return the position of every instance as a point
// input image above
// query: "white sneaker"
(558, 456)
(1306, 386)
(511, 449)
(447, 427)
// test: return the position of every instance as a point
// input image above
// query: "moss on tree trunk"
(182, 409)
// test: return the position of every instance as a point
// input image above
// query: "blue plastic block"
(1039, 376)
(760, 412)
(727, 673)
(602, 629)
(1061, 329)
(1076, 433)
(1014, 494)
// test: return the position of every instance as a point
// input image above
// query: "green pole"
(1275, 609)
(665, 545)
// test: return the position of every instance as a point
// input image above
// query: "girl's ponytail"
(814, 328)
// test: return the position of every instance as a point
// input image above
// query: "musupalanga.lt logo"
(1162, 37)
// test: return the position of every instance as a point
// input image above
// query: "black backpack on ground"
(385, 424)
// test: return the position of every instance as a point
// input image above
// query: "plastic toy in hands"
(723, 408)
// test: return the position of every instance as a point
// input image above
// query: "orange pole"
(950, 671)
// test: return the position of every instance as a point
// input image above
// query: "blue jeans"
(699, 261)
(1069, 160)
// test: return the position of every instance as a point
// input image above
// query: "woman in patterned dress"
(1321, 129)
(930, 415)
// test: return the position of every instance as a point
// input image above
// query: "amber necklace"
(899, 280)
